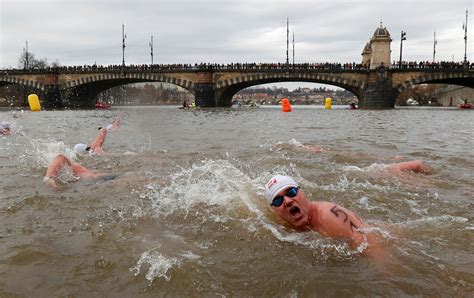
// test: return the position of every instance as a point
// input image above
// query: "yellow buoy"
(34, 102)
(327, 103)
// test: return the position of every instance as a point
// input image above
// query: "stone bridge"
(215, 86)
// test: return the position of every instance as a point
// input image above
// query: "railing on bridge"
(260, 67)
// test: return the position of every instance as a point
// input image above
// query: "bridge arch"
(226, 89)
(453, 78)
(83, 91)
(12, 80)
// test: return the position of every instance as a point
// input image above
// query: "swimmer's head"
(5, 125)
(276, 184)
(81, 147)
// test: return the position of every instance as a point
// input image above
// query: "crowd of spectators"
(327, 66)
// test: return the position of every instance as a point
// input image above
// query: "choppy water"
(187, 216)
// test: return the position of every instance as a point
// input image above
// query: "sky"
(78, 32)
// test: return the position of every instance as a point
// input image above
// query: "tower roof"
(367, 49)
(381, 32)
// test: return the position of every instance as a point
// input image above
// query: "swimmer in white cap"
(95, 146)
(328, 219)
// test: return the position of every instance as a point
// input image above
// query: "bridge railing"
(248, 67)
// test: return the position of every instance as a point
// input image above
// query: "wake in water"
(215, 193)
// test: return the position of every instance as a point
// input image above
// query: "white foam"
(158, 265)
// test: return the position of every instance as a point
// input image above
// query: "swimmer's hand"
(50, 182)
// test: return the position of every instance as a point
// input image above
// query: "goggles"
(290, 192)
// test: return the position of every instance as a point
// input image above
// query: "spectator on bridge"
(290, 203)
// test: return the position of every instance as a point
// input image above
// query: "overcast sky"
(76, 32)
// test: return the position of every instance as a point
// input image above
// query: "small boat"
(102, 105)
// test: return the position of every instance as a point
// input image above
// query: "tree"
(27, 60)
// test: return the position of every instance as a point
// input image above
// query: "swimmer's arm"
(99, 140)
(346, 224)
(341, 223)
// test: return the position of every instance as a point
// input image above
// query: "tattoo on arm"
(337, 212)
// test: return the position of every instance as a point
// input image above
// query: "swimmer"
(59, 162)
(96, 145)
(328, 219)
(5, 129)
(416, 166)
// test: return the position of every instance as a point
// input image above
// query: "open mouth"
(294, 210)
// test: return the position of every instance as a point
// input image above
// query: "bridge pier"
(379, 96)
(52, 97)
(379, 93)
(205, 95)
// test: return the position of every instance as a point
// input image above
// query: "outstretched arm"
(96, 145)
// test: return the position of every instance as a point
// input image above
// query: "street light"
(124, 36)
(464, 26)
(26, 56)
(402, 38)
(151, 49)
(287, 43)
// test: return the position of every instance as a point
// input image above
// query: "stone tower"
(366, 53)
(380, 44)
(377, 51)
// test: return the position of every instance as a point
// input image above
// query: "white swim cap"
(5, 125)
(81, 147)
(276, 184)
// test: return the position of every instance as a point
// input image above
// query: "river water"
(186, 216)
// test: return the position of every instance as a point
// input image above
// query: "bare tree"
(27, 60)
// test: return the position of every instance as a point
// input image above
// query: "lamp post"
(293, 49)
(124, 36)
(287, 43)
(26, 56)
(402, 38)
(151, 49)
(465, 38)
(435, 42)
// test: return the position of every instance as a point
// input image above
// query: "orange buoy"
(285, 105)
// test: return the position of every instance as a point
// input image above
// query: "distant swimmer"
(328, 219)
(5, 129)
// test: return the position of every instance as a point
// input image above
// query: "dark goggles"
(290, 192)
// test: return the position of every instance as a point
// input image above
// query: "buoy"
(327, 103)
(34, 103)
(285, 105)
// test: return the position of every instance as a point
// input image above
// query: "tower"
(366, 53)
(380, 46)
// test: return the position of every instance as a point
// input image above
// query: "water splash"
(158, 265)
